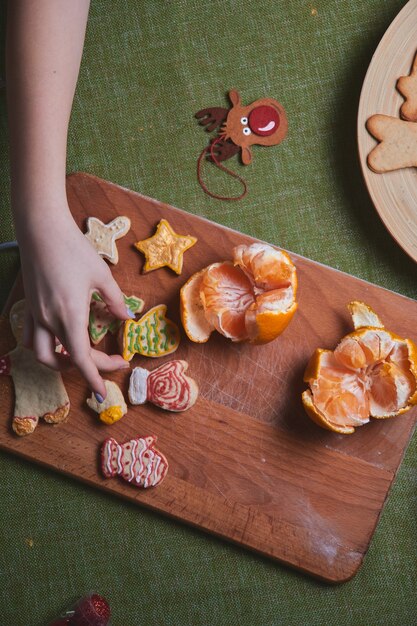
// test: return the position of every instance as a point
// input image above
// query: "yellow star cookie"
(103, 236)
(165, 248)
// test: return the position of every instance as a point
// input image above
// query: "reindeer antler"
(212, 118)
(223, 149)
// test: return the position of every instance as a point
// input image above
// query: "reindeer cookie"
(39, 390)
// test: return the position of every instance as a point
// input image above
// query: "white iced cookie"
(103, 236)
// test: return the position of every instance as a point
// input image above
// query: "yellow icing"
(111, 415)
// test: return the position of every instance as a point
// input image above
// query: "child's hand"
(60, 267)
(60, 271)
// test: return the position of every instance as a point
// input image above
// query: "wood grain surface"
(394, 194)
(246, 463)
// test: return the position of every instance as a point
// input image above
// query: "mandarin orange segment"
(390, 389)
(226, 293)
(267, 267)
(320, 419)
(371, 373)
(251, 299)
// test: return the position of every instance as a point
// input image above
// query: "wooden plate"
(394, 194)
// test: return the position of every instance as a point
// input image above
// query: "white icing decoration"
(108, 450)
(138, 386)
(119, 456)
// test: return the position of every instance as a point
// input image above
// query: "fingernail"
(99, 398)
(124, 365)
(130, 313)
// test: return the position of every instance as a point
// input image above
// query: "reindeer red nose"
(263, 120)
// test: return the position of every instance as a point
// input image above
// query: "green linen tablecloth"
(148, 66)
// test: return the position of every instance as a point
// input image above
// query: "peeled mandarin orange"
(251, 299)
(371, 373)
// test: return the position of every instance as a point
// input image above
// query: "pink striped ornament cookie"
(137, 461)
(167, 386)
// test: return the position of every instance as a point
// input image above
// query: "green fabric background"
(148, 66)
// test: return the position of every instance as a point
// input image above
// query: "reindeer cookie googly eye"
(264, 123)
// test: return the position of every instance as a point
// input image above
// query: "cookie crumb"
(314, 11)
(29, 542)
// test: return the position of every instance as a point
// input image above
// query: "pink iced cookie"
(136, 461)
(167, 386)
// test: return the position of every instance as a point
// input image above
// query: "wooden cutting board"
(245, 463)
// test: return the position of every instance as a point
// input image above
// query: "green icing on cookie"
(101, 321)
(154, 335)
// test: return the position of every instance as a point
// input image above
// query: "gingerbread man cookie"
(167, 387)
(39, 390)
(103, 236)
(407, 86)
(398, 143)
(114, 406)
(165, 248)
(137, 461)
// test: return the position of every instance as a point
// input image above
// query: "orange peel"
(372, 373)
(250, 299)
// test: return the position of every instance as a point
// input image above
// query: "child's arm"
(60, 267)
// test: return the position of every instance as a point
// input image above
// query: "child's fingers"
(113, 297)
(44, 349)
(108, 363)
(78, 345)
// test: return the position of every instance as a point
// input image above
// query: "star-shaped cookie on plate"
(103, 236)
(165, 248)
